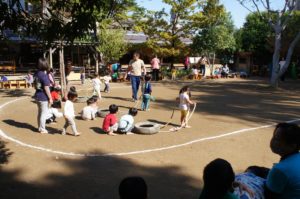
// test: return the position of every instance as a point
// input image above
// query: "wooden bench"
(11, 84)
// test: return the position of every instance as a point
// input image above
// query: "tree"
(256, 37)
(166, 31)
(278, 19)
(111, 45)
(217, 35)
(62, 21)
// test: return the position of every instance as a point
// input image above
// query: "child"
(126, 123)
(107, 79)
(29, 79)
(173, 72)
(147, 90)
(110, 124)
(195, 73)
(69, 114)
(55, 95)
(219, 181)
(53, 113)
(89, 112)
(82, 76)
(97, 86)
(184, 106)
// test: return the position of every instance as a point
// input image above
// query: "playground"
(234, 119)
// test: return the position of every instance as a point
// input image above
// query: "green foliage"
(256, 33)
(218, 37)
(111, 44)
(165, 31)
(64, 20)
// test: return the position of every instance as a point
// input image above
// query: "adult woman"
(137, 69)
(283, 180)
(42, 94)
(155, 68)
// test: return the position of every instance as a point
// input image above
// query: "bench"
(14, 84)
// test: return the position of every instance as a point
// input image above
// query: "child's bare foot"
(187, 126)
(44, 132)
(111, 134)
(77, 134)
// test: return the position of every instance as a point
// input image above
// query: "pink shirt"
(155, 63)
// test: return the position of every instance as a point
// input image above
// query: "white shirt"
(195, 72)
(69, 109)
(126, 122)
(281, 63)
(137, 67)
(96, 83)
(184, 105)
(107, 79)
(88, 113)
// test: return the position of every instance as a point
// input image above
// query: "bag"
(37, 83)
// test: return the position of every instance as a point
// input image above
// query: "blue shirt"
(284, 178)
(40, 95)
(148, 88)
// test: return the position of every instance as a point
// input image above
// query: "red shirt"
(109, 121)
(54, 95)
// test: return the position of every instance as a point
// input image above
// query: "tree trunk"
(289, 54)
(276, 56)
(62, 71)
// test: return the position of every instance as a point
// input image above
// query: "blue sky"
(237, 11)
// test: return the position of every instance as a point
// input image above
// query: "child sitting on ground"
(69, 113)
(147, 90)
(55, 95)
(107, 79)
(195, 73)
(52, 114)
(219, 181)
(185, 102)
(110, 124)
(89, 112)
(126, 123)
(97, 86)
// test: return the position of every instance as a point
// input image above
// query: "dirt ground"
(223, 106)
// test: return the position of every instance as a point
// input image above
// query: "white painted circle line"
(242, 131)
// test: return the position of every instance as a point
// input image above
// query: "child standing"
(173, 73)
(126, 123)
(184, 106)
(69, 114)
(82, 76)
(110, 124)
(97, 86)
(89, 112)
(147, 90)
(107, 79)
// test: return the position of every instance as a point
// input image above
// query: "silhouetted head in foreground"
(218, 177)
(133, 188)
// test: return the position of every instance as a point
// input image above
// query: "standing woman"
(155, 68)
(42, 93)
(137, 69)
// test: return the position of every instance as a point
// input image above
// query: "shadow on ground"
(250, 100)
(99, 177)
(16, 92)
